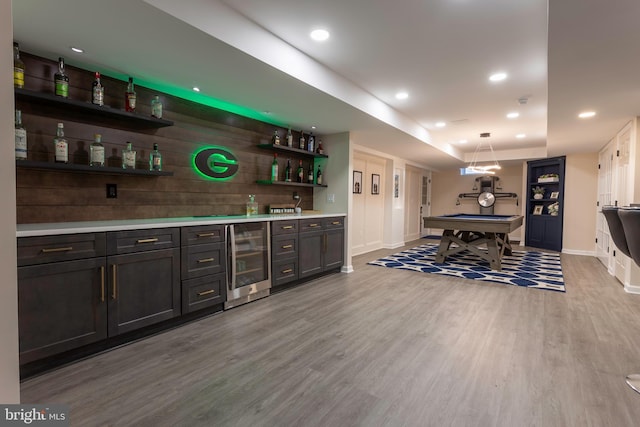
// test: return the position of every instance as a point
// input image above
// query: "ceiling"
(561, 59)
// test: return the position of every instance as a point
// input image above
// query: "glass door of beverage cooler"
(249, 267)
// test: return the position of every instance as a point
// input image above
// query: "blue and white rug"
(529, 269)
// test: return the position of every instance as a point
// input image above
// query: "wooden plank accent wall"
(58, 196)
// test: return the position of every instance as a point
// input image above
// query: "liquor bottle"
(310, 174)
(21, 138)
(156, 107)
(130, 97)
(289, 138)
(96, 151)
(275, 139)
(311, 143)
(319, 176)
(274, 168)
(128, 157)
(252, 206)
(61, 147)
(155, 159)
(287, 171)
(300, 172)
(302, 141)
(97, 91)
(18, 67)
(319, 148)
(61, 80)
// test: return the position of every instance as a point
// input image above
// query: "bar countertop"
(49, 229)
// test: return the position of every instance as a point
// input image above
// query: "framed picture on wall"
(396, 186)
(375, 183)
(537, 209)
(554, 194)
(357, 182)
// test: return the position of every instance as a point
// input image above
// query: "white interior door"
(425, 202)
(605, 188)
(412, 204)
(622, 176)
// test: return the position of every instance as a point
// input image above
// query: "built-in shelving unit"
(291, 150)
(96, 111)
(71, 167)
(294, 184)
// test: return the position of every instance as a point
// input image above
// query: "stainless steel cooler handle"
(231, 241)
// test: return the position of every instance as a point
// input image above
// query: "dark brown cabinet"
(61, 293)
(204, 267)
(321, 244)
(284, 252)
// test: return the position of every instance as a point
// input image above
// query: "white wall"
(581, 195)
(368, 209)
(9, 364)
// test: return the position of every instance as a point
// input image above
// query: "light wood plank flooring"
(378, 347)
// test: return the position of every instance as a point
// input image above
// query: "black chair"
(615, 228)
(630, 219)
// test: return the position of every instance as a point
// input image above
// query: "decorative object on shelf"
(553, 208)
(61, 80)
(319, 177)
(375, 183)
(484, 169)
(549, 177)
(97, 91)
(538, 192)
(156, 107)
(130, 97)
(554, 195)
(289, 138)
(20, 137)
(357, 182)
(537, 209)
(252, 206)
(302, 141)
(18, 67)
(275, 139)
(128, 157)
(155, 159)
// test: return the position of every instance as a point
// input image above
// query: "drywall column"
(9, 364)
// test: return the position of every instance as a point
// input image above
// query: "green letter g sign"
(216, 163)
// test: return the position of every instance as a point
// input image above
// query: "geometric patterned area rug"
(529, 269)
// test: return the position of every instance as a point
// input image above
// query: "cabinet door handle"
(286, 227)
(205, 260)
(206, 234)
(336, 223)
(288, 270)
(154, 239)
(102, 283)
(287, 246)
(114, 271)
(313, 225)
(50, 250)
(210, 291)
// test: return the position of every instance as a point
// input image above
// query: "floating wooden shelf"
(290, 150)
(70, 167)
(67, 105)
(292, 184)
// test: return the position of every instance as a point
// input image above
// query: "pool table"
(469, 232)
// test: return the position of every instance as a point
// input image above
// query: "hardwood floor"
(378, 347)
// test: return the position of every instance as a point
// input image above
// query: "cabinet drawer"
(311, 224)
(45, 249)
(284, 246)
(284, 227)
(203, 292)
(335, 222)
(201, 260)
(125, 242)
(202, 234)
(284, 272)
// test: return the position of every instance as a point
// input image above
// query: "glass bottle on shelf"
(130, 97)
(21, 138)
(287, 171)
(97, 91)
(275, 139)
(289, 138)
(310, 173)
(302, 141)
(319, 148)
(300, 172)
(61, 80)
(18, 67)
(274, 168)
(61, 147)
(252, 206)
(155, 159)
(311, 143)
(156, 107)
(319, 176)
(128, 157)
(96, 151)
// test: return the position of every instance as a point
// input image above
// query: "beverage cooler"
(249, 263)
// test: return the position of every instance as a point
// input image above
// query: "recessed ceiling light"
(77, 49)
(313, 127)
(587, 114)
(513, 115)
(196, 89)
(319, 35)
(521, 135)
(440, 124)
(402, 95)
(462, 141)
(498, 77)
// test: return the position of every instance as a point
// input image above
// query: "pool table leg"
(445, 243)
(494, 251)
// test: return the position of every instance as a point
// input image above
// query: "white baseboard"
(393, 245)
(632, 289)
(346, 269)
(575, 252)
